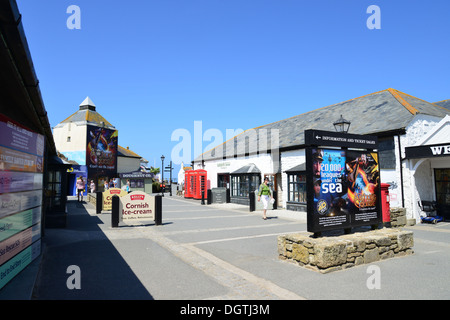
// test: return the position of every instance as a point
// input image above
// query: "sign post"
(343, 185)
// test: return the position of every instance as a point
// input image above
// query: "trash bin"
(386, 210)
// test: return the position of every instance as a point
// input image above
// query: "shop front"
(430, 175)
(296, 184)
(243, 181)
(138, 181)
(429, 168)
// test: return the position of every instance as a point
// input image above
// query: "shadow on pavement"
(104, 274)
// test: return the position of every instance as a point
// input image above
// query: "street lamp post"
(162, 173)
(341, 125)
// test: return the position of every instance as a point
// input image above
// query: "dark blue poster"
(330, 201)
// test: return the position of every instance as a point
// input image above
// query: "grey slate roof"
(382, 111)
(444, 104)
(87, 114)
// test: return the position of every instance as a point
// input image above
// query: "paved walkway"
(220, 252)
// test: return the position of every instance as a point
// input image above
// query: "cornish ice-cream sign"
(136, 206)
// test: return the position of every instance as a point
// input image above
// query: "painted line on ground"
(242, 238)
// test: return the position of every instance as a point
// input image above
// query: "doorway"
(442, 183)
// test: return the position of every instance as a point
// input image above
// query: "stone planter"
(327, 254)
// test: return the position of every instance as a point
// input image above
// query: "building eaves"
(126, 152)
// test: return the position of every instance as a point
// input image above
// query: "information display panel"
(21, 196)
(343, 185)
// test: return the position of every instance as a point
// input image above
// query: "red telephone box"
(194, 178)
(194, 183)
(385, 207)
(188, 184)
(200, 184)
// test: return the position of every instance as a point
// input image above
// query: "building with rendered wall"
(277, 150)
(88, 139)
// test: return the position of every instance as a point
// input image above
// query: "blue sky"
(154, 66)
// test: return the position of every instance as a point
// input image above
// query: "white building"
(73, 137)
(277, 150)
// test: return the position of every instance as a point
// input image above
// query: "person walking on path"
(263, 194)
(92, 186)
(80, 188)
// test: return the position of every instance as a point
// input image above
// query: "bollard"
(158, 210)
(203, 197)
(252, 201)
(228, 196)
(275, 205)
(209, 196)
(115, 212)
(99, 203)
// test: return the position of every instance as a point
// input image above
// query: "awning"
(250, 168)
(299, 168)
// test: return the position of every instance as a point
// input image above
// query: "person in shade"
(80, 188)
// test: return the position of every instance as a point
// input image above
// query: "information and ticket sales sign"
(136, 206)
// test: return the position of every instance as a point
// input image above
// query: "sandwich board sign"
(137, 206)
(107, 197)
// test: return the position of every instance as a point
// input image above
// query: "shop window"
(223, 180)
(54, 189)
(242, 185)
(296, 187)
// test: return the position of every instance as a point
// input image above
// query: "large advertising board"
(343, 187)
(101, 152)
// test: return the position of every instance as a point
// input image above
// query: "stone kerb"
(327, 254)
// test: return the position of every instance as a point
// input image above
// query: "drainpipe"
(401, 170)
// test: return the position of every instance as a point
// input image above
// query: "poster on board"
(362, 177)
(330, 194)
(343, 188)
(101, 152)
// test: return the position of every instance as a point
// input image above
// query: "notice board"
(343, 184)
(21, 193)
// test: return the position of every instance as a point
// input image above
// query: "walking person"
(80, 188)
(92, 186)
(263, 194)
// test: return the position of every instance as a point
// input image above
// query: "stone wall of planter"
(327, 254)
(398, 217)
